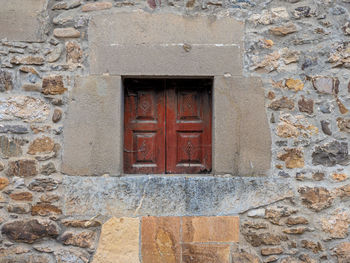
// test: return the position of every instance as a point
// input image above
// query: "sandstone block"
(205, 253)
(41, 145)
(271, 251)
(210, 229)
(28, 60)
(85, 239)
(342, 251)
(119, 241)
(44, 209)
(283, 30)
(21, 196)
(53, 85)
(160, 239)
(316, 198)
(3, 182)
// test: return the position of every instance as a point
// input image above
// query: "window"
(167, 126)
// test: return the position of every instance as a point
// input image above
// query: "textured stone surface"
(10, 147)
(5, 81)
(21, 196)
(210, 229)
(241, 138)
(23, 168)
(19, 20)
(53, 85)
(29, 231)
(68, 32)
(331, 154)
(160, 239)
(41, 145)
(3, 182)
(119, 241)
(342, 251)
(43, 185)
(204, 253)
(43, 209)
(85, 239)
(28, 109)
(96, 6)
(148, 49)
(316, 198)
(174, 195)
(94, 113)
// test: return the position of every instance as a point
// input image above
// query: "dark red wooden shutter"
(144, 126)
(167, 126)
(189, 126)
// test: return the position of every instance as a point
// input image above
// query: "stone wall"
(296, 211)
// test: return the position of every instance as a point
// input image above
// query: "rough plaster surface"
(19, 20)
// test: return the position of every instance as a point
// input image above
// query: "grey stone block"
(170, 195)
(92, 135)
(242, 140)
(165, 44)
(19, 20)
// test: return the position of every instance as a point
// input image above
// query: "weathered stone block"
(119, 241)
(29, 231)
(23, 168)
(205, 253)
(160, 239)
(170, 196)
(29, 109)
(19, 20)
(95, 111)
(165, 44)
(242, 139)
(210, 229)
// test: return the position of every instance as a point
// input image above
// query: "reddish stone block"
(160, 239)
(210, 229)
(205, 253)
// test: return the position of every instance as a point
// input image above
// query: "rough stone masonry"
(281, 188)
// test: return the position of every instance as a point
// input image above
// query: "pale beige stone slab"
(92, 135)
(19, 20)
(119, 241)
(210, 229)
(242, 139)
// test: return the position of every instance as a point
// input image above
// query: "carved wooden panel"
(144, 126)
(167, 126)
(189, 126)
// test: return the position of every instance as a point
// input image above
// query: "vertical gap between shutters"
(165, 125)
